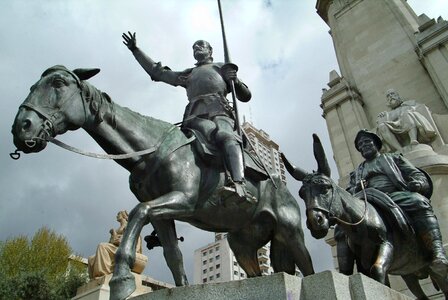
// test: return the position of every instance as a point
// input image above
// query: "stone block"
(327, 285)
(278, 286)
(365, 288)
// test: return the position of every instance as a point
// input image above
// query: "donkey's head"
(316, 191)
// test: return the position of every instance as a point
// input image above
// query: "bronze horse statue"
(378, 233)
(174, 182)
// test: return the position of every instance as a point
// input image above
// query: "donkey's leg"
(441, 282)
(382, 263)
(414, 286)
(166, 231)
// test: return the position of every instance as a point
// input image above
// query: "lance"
(229, 64)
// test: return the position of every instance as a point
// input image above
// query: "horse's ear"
(85, 74)
(319, 154)
(295, 172)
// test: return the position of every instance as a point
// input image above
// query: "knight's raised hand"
(130, 40)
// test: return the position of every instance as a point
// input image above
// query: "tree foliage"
(38, 268)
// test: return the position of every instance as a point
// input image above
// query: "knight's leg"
(166, 231)
(414, 286)
(382, 263)
(228, 141)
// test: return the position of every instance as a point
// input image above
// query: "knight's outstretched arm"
(156, 71)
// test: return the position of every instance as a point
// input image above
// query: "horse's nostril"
(26, 124)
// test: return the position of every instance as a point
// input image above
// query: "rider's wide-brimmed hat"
(364, 132)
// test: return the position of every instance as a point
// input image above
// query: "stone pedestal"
(326, 285)
(98, 288)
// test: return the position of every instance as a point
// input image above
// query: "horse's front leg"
(166, 232)
(122, 283)
(174, 203)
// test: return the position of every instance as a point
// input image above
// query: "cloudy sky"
(282, 48)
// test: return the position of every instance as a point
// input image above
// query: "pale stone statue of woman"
(102, 263)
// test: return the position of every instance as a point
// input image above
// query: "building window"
(235, 263)
(217, 257)
(204, 280)
(204, 271)
(210, 251)
(204, 253)
(218, 275)
(217, 248)
(242, 275)
(211, 259)
(235, 273)
(218, 266)
(204, 262)
(211, 268)
(210, 278)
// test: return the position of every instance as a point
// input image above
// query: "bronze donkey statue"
(381, 239)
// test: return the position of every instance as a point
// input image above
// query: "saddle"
(392, 213)
(212, 156)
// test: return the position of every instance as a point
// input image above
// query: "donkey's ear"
(319, 154)
(85, 74)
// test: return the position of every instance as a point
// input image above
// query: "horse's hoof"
(121, 287)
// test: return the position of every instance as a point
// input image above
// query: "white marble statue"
(403, 125)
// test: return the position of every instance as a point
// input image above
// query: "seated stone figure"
(103, 262)
(404, 125)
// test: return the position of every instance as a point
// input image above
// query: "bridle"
(330, 214)
(48, 128)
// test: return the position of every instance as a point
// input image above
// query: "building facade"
(266, 149)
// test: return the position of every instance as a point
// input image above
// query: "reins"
(331, 216)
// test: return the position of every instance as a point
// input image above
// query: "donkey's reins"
(330, 215)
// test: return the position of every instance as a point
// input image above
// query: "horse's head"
(316, 191)
(54, 105)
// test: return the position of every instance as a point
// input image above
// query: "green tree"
(38, 268)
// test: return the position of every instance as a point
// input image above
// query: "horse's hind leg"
(245, 253)
(414, 286)
(288, 250)
(166, 231)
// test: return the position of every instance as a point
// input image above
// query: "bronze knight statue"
(208, 111)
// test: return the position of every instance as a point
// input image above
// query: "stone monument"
(397, 49)
(101, 265)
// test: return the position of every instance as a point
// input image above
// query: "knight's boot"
(235, 165)
(432, 242)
